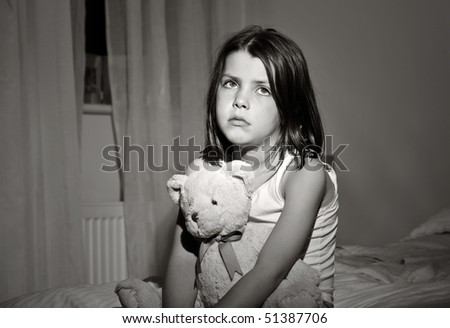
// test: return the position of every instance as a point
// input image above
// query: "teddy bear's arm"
(179, 284)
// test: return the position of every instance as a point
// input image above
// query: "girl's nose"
(241, 101)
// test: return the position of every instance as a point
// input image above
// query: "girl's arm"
(304, 191)
(179, 283)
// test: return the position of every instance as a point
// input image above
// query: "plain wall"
(381, 70)
(97, 185)
(382, 74)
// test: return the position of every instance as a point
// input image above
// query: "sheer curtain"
(40, 228)
(160, 54)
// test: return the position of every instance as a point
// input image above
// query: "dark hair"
(301, 130)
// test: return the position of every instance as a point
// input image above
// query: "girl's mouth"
(237, 121)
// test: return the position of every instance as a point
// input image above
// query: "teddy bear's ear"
(236, 166)
(174, 186)
(245, 178)
(242, 171)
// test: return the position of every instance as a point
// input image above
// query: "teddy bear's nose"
(195, 216)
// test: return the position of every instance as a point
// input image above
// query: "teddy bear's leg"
(135, 293)
(282, 291)
(301, 294)
(302, 301)
(199, 302)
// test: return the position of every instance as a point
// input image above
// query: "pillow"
(438, 223)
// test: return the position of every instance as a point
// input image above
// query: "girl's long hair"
(301, 130)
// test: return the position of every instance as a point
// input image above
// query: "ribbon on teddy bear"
(226, 252)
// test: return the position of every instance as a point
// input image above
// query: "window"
(96, 78)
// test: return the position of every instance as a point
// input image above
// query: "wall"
(382, 73)
(97, 186)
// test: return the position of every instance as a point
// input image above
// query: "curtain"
(160, 55)
(40, 212)
(78, 14)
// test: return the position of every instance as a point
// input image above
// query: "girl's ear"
(174, 186)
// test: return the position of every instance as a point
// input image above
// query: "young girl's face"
(245, 109)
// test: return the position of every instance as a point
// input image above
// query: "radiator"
(104, 242)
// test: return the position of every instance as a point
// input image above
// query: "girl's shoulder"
(313, 173)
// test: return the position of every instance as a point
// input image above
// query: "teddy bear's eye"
(214, 202)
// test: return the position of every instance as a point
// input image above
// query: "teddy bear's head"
(215, 201)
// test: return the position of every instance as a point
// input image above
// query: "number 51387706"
(299, 317)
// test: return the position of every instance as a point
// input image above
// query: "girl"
(261, 109)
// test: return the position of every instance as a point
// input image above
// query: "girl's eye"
(264, 91)
(230, 84)
(214, 202)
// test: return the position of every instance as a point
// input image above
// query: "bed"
(413, 272)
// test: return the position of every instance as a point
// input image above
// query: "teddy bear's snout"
(194, 216)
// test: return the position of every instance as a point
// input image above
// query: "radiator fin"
(104, 241)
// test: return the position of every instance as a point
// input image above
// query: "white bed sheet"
(414, 272)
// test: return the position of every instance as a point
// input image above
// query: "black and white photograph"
(225, 154)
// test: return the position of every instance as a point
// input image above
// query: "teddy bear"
(215, 200)
(216, 203)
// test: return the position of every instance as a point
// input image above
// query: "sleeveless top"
(267, 205)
